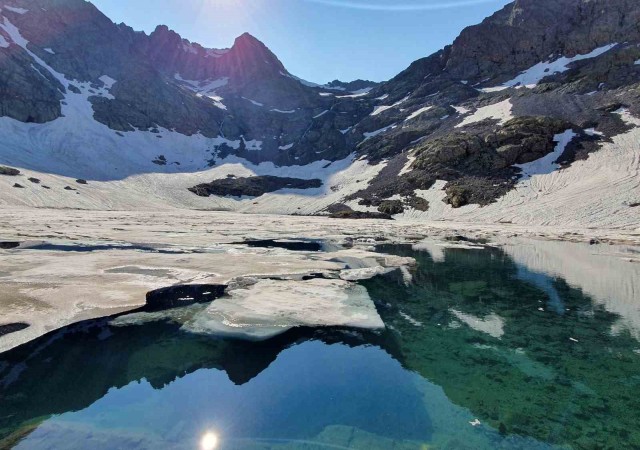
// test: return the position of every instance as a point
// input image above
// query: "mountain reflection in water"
(480, 351)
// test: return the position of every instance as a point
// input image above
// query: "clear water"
(480, 353)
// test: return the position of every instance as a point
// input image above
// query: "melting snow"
(48, 50)
(531, 77)
(291, 111)
(16, 37)
(418, 112)
(286, 147)
(593, 132)
(253, 145)
(253, 101)
(373, 134)
(500, 111)
(203, 87)
(16, 10)
(206, 88)
(108, 81)
(271, 307)
(355, 94)
(383, 108)
(547, 164)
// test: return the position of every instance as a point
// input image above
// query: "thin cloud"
(402, 7)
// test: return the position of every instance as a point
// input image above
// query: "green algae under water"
(480, 352)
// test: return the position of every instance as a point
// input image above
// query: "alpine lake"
(483, 349)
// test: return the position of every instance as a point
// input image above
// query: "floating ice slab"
(363, 274)
(271, 307)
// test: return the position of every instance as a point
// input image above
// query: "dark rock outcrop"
(9, 171)
(360, 215)
(252, 186)
(391, 207)
(520, 140)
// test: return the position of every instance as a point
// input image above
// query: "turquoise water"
(480, 352)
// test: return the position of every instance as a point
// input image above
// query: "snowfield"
(119, 256)
(596, 192)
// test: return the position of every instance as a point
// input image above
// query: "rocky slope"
(542, 90)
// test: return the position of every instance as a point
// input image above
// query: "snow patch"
(407, 167)
(253, 145)
(107, 81)
(380, 109)
(500, 111)
(253, 102)
(547, 164)
(203, 87)
(356, 94)
(593, 132)
(16, 10)
(461, 110)
(48, 50)
(418, 112)
(532, 76)
(373, 134)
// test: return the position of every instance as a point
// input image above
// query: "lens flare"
(209, 441)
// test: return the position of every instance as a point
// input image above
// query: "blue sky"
(318, 40)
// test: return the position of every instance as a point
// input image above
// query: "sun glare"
(209, 441)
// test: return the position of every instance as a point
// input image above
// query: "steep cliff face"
(526, 32)
(161, 81)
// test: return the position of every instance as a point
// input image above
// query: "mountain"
(528, 117)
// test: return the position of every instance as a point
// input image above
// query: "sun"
(209, 441)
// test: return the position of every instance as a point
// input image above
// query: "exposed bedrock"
(252, 186)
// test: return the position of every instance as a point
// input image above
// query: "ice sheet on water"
(271, 307)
